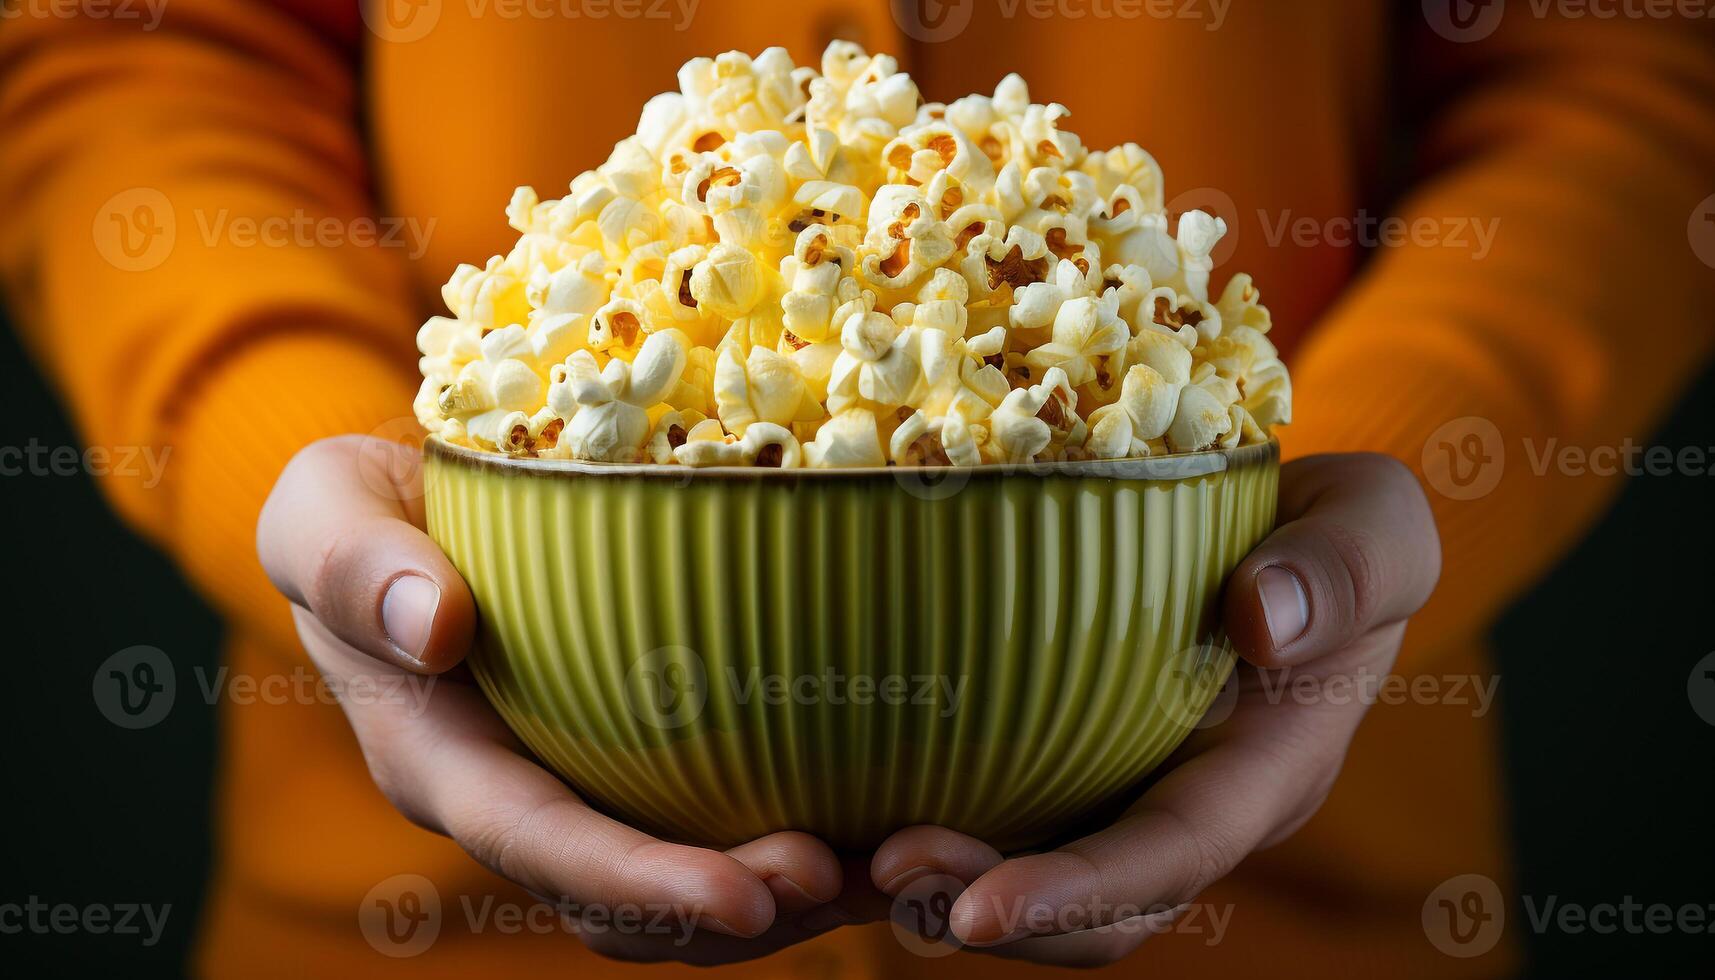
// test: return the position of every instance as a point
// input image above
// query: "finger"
(522, 823)
(1190, 829)
(696, 947)
(1083, 950)
(1356, 549)
(857, 903)
(918, 852)
(451, 766)
(800, 871)
(336, 544)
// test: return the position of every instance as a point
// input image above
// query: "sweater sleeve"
(188, 252)
(1586, 149)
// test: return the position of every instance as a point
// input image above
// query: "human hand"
(1354, 554)
(374, 598)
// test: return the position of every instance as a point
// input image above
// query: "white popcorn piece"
(1028, 420)
(793, 265)
(875, 363)
(671, 431)
(848, 439)
(1199, 420)
(770, 445)
(727, 284)
(1086, 330)
(765, 387)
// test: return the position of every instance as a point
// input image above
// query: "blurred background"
(1608, 761)
(1606, 664)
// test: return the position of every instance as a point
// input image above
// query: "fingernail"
(1285, 604)
(904, 878)
(408, 614)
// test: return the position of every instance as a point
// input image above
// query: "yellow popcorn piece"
(812, 266)
(728, 283)
(850, 438)
(765, 387)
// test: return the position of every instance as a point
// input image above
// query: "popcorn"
(848, 439)
(610, 422)
(791, 267)
(765, 388)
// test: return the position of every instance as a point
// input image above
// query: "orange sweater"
(1545, 283)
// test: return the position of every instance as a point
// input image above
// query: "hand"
(341, 536)
(1327, 594)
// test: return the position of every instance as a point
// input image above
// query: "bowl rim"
(1175, 467)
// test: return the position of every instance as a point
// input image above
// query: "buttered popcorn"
(788, 267)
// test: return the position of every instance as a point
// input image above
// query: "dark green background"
(1610, 768)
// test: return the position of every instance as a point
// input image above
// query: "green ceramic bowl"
(718, 654)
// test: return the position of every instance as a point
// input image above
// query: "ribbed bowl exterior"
(717, 656)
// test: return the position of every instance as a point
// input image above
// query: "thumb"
(353, 555)
(1356, 549)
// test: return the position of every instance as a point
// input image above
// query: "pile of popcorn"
(787, 267)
